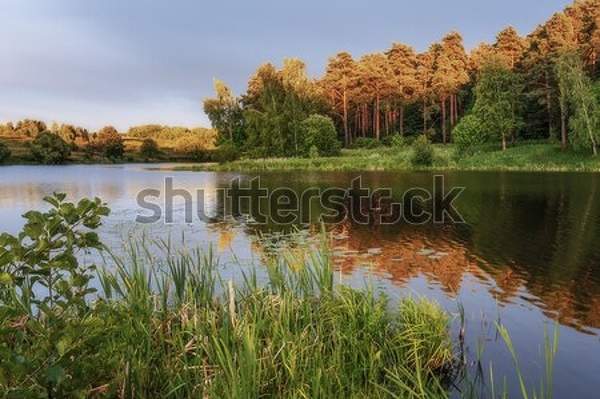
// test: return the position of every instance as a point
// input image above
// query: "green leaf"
(63, 345)
(55, 374)
(5, 279)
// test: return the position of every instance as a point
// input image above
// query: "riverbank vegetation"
(543, 86)
(531, 156)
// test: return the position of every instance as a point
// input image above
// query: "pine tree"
(479, 56)
(450, 74)
(337, 83)
(510, 46)
(376, 78)
(425, 73)
(403, 62)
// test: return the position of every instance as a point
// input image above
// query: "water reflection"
(527, 236)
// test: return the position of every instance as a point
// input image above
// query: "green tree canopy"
(49, 149)
(319, 133)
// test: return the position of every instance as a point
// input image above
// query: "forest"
(542, 86)
(432, 108)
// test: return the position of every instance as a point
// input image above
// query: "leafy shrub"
(4, 152)
(365, 142)
(49, 149)
(226, 152)
(468, 134)
(398, 141)
(422, 152)
(149, 149)
(387, 140)
(313, 152)
(110, 143)
(49, 338)
(319, 132)
(257, 152)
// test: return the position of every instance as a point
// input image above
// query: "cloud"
(135, 61)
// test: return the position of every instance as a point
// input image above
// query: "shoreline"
(539, 157)
(525, 157)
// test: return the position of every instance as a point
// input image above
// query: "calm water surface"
(527, 256)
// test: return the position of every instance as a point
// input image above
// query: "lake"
(527, 254)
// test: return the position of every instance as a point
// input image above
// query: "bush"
(110, 143)
(4, 152)
(313, 153)
(365, 142)
(149, 149)
(58, 346)
(194, 146)
(49, 149)
(257, 153)
(468, 134)
(226, 152)
(398, 141)
(319, 132)
(422, 152)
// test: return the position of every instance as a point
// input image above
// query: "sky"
(130, 62)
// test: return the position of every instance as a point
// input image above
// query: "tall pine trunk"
(548, 104)
(444, 120)
(455, 109)
(424, 116)
(451, 111)
(376, 121)
(401, 119)
(346, 133)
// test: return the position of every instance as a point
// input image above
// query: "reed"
(171, 326)
(160, 322)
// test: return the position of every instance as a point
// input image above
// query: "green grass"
(171, 327)
(527, 156)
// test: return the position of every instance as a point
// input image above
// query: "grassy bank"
(533, 156)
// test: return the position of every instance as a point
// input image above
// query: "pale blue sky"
(128, 62)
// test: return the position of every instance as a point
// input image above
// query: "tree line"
(543, 85)
(54, 144)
